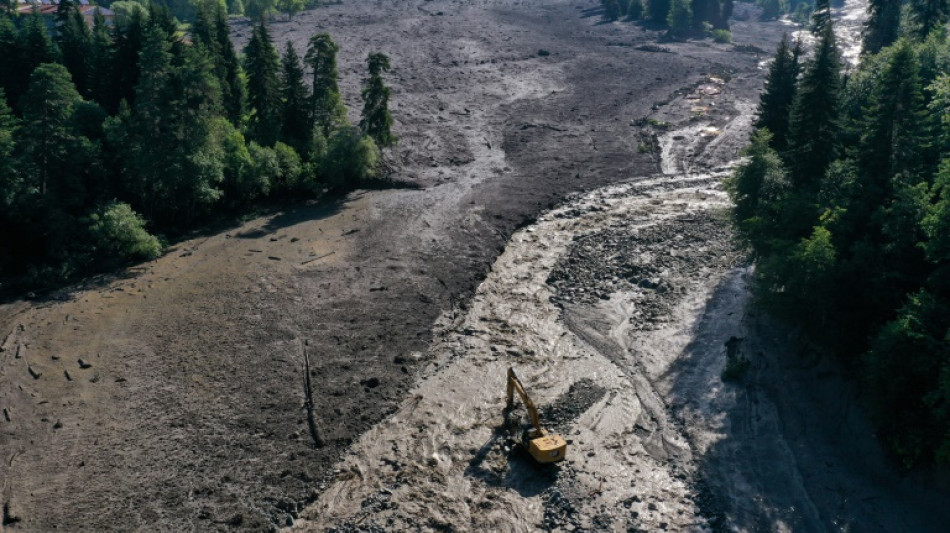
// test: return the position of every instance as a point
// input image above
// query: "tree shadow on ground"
(790, 447)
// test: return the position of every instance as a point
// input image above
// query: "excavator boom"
(543, 447)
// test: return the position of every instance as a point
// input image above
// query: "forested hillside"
(845, 201)
(113, 134)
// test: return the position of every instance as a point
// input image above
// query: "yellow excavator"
(544, 447)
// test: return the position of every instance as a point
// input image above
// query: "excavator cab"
(542, 446)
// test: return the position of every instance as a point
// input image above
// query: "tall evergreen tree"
(658, 10)
(821, 16)
(775, 102)
(894, 139)
(327, 108)
(882, 26)
(611, 9)
(125, 61)
(679, 19)
(165, 142)
(35, 48)
(100, 61)
(75, 42)
(10, 50)
(814, 125)
(928, 15)
(377, 121)
(49, 143)
(263, 86)
(10, 181)
(295, 130)
(211, 30)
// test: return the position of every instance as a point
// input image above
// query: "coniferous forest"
(115, 136)
(844, 198)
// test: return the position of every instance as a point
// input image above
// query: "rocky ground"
(172, 397)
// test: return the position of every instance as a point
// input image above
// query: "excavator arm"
(542, 446)
(514, 384)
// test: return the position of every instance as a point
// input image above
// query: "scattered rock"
(83, 364)
(33, 372)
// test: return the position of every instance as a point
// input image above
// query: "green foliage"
(99, 125)
(377, 121)
(612, 10)
(118, 231)
(327, 109)
(853, 245)
(775, 102)
(813, 123)
(291, 7)
(296, 128)
(881, 28)
(350, 159)
(263, 86)
(259, 9)
(658, 10)
(679, 19)
(722, 36)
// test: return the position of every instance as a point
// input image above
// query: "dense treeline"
(109, 135)
(187, 10)
(845, 200)
(683, 18)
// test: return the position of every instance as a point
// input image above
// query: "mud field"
(570, 221)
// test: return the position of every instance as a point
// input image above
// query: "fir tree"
(262, 65)
(882, 26)
(10, 181)
(377, 121)
(679, 19)
(10, 50)
(894, 140)
(327, 108)
(295, 129)
(658, 10)
(929, 15)
(211, 30)
(821, 16)
(49, 144)
(814, 125)
(775, 102)
(611, 9)
(75, 41)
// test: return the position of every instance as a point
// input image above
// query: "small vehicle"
(543, 447)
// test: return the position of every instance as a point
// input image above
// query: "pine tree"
(704, 11)
(100, 61)
(821, 16)
(377, 121)
(658, 10)
(882, 26)
(291, 7)
(929, 15)
(75, 41)
(775, 102)
(611, 9)
(679, 19)
(48, 143)
(327, 108)
(262, 65)
(10, 181)
(125, 61)
(814, 124)
(211, 30)
(894, 140)
(34, 48)
(10, 51)
(296, 101)
(165, 142)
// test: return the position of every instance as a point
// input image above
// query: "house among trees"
(48, 8)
